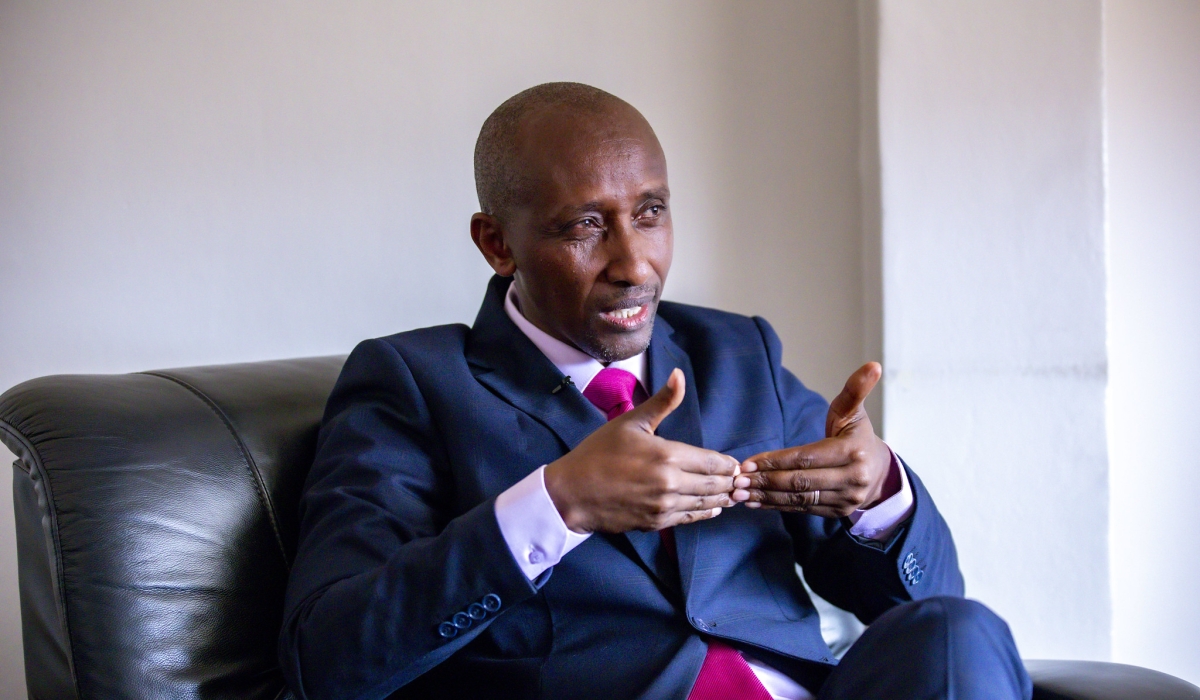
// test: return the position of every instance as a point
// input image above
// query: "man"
(593, 494)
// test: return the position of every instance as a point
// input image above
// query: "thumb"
(655, 409)
(847, 407)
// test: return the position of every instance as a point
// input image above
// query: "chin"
(613, 347)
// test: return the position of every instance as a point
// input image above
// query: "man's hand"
(831, 477)
(623, 477)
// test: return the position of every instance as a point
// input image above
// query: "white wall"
(191, 183)
(993, 288)
(1152, 85)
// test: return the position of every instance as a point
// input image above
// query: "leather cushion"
(166, 522)
(1095, 680)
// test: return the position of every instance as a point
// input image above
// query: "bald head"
(500, 176)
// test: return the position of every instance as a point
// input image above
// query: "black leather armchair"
(156, 522)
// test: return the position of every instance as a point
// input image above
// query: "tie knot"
(613, 391)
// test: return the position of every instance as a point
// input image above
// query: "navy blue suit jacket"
(398, 533)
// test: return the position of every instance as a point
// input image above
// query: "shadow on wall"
(790, 238)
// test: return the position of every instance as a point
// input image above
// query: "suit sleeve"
(856, 574)
(383, 561)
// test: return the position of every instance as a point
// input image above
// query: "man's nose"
(629, 252)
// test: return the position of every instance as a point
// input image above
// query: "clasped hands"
(623, 477)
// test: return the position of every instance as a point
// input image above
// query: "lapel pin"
(566, 380)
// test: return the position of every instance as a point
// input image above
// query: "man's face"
(592, 241)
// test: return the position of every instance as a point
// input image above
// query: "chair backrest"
(156, 522)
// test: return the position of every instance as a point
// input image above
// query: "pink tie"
(614, 391)
(725, 675)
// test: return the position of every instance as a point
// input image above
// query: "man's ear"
(488, 234)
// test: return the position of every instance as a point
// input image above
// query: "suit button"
(461, 620)
(447, 630)
(491, 602)
(909, 559)
(917, 576)
(476, 612)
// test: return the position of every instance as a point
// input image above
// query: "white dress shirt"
(538, 538)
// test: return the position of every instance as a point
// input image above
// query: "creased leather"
(155, 525)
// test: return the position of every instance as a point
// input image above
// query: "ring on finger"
(817, 497)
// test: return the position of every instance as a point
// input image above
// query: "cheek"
(664, 253)
(564, 274)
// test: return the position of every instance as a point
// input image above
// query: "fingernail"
(753, 504)
(741, 482)
(740, 495)
(749, 467)
(716, 512)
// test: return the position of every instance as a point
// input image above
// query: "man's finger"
(798, 500)
(691, 516)
(703, 503)
(832, 498)
(845, 406)
(796, 480)
(829, 452)
(705, 485)
(697, 460)
(655, 409)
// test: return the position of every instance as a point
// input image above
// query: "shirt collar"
(572, 362)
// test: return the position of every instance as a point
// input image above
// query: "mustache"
(631, 297)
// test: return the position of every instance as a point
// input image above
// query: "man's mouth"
(629, 318)
(626, 313)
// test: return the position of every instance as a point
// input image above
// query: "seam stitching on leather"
(259, 485)
(58, 567)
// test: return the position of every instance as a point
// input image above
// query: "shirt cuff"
(881, 520)
(532, 527)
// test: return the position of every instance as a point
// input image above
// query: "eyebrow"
(655, 193)
(595, 205)
(575, 211)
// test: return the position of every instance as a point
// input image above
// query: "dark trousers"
(945, 648)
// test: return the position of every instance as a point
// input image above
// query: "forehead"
(565, 154)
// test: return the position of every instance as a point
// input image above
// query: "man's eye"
(588, 222)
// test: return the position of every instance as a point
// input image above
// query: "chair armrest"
(1096, 680)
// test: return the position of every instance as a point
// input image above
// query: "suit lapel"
(683, 425)
(507, 362)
